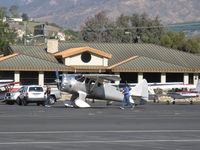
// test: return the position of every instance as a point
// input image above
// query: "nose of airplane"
(67, 83)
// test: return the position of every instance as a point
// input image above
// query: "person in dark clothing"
(47, 93)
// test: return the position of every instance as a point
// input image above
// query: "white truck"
(31, 94)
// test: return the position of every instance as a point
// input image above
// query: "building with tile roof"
(132, 61)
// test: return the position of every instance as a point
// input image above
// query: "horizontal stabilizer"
(198, 86)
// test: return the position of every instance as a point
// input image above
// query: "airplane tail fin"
(198, 86)
(141, 90)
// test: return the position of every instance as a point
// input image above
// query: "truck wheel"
(18, 101)
(51, 100)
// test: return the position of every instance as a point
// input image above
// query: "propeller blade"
(58, 82)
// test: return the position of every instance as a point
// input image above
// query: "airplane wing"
(8, 84)
(5, 81)
(102, 77)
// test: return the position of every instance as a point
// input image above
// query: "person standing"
(47, 93)
(126, 99)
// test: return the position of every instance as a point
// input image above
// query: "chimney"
(52, 46)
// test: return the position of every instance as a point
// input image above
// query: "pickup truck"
(31, 94)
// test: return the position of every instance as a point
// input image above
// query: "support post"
(17, 77)
(186, 78)
(140, 76)
(163, 78)
(41, 78)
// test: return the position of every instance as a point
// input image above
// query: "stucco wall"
(95, 60)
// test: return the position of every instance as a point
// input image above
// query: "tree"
(14, 11)
(125, 32)
(25, 17)
(6, 35)
(191, 45)
(98, 28)
(177, 40)
(73, 35)
(3, 12)
(124, 29)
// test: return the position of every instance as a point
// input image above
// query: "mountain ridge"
(72, 13)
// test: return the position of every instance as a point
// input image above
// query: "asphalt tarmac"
(154, 126)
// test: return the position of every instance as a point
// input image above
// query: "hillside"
(72, 13)
(191, 29)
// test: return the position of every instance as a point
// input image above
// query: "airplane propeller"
(58, 82)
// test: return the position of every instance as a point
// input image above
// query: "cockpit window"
(80, 78)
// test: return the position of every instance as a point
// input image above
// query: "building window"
(49, 78)
(86, 57)
(152, 77)
(191, 79)
(28, 78)
(128, 77)
(174, 77)
(7, 75)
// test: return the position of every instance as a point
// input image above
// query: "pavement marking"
(105, 142)
(109, 131)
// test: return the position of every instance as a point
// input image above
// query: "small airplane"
(180, 94)
(96, 86)
(6, 86)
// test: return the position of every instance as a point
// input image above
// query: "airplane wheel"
(191, 102)
(173, 102)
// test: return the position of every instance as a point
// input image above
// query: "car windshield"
(35, 89)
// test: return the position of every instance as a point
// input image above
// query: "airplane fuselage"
(93, 89)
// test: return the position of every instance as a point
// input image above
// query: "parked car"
(54, 96)
(31, 94)
(12, 96)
